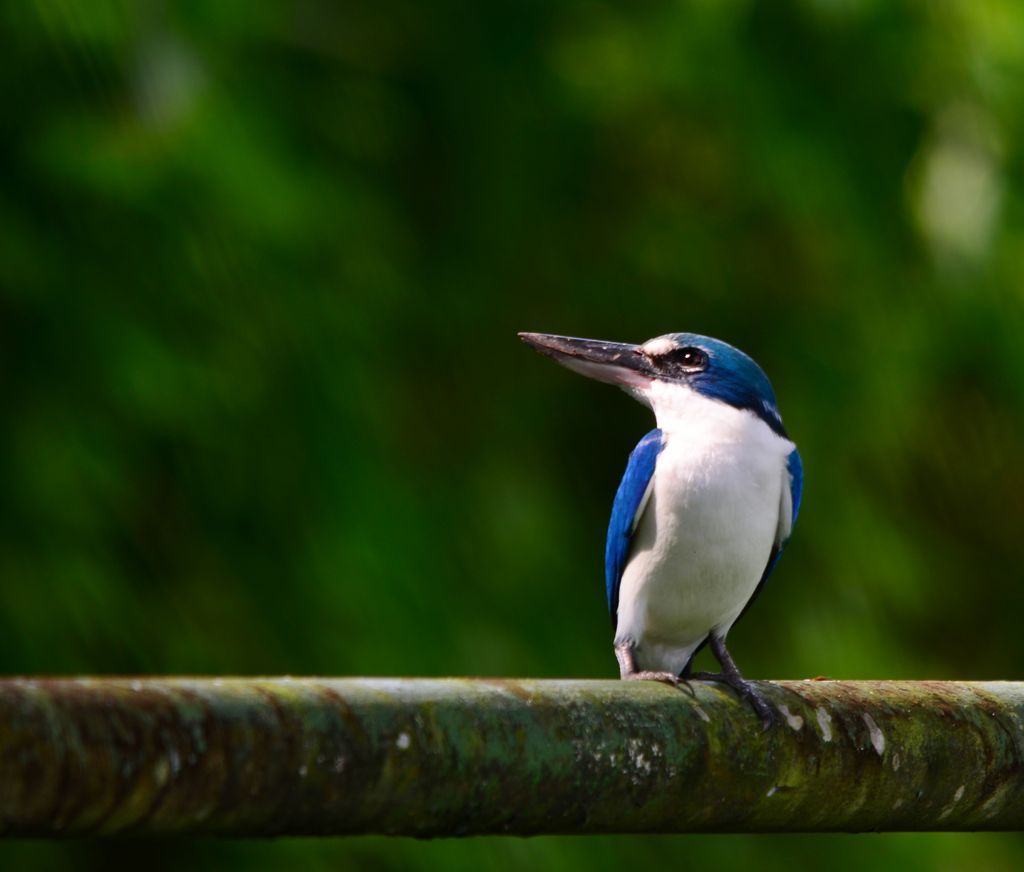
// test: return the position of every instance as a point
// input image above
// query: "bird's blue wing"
(630, 501)
(795, 469)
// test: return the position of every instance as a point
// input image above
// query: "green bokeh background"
(262, 265)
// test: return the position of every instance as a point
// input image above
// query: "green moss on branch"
(462, 756)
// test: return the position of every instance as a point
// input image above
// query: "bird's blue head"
(708, 366)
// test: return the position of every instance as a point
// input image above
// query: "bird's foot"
(745, 689)
(648, 676)
(677, 682)
(628, 671)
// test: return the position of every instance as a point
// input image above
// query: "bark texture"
(456, 757)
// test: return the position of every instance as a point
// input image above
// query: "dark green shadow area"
(603, 854)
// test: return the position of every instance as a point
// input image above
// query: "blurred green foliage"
(262, 266)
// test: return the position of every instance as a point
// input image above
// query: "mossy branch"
(464, 756)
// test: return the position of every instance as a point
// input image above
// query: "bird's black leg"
(731, 675)
(628, 671)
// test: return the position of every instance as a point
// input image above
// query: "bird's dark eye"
(689, 358)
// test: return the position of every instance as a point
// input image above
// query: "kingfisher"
(707, 503)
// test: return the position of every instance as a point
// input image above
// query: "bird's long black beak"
(616, 363)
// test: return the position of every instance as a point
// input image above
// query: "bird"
(706, 505)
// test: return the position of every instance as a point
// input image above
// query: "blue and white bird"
(705, 507)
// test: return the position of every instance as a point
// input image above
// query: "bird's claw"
(648, 675)
(746, 691)
(663, 677)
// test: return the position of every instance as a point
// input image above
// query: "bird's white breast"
(705, 536)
